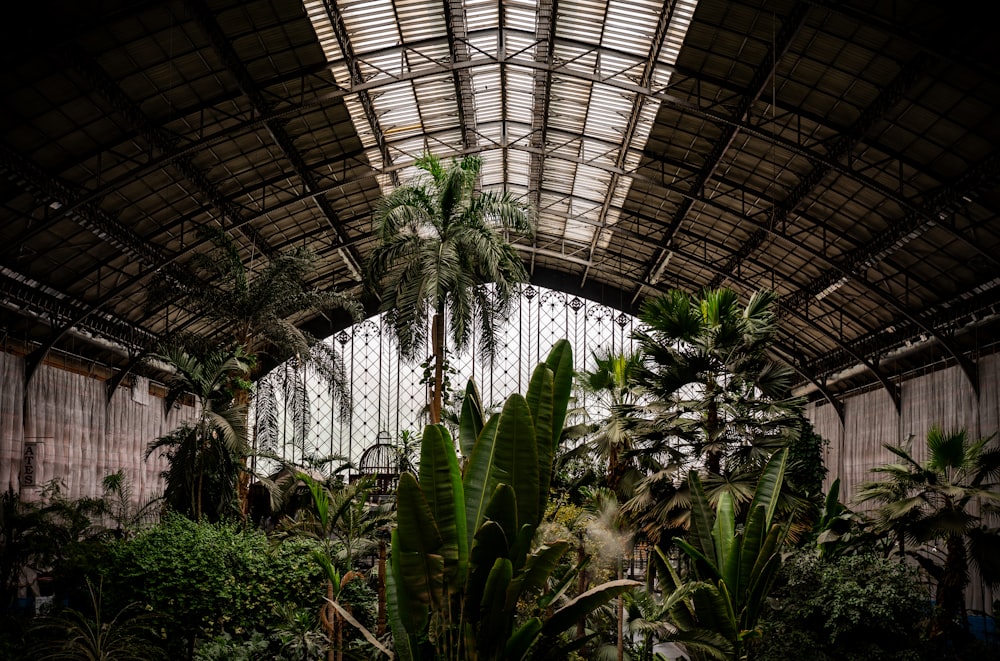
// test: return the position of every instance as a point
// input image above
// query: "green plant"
(716, 609)
(71, 635)
(860, 607)
(442, 251)
(203, 579)
(205, 456)
(712, 398)
(461, 558)
(926, 501)
(612, 384)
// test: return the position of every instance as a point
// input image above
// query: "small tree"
(205, 455)
(925, 501)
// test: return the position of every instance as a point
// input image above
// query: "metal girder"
(545, 68)
(356, 84)
(48, 190)
(545, 35)
(649, 68)
(43, 300)
(758, 85)
(458, 47)
(158, 138)
(794, 360)
(890, 388)
(836, 150)
(234, 65)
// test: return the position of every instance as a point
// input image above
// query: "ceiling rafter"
(159, 139)
(234, 65)
(57, 307)
(631, 124)
(763, 75)
(837, 150)
(48, 190)
(742, 126)
(545, 36)
(357, 84)
(458, 47)
(891, 389)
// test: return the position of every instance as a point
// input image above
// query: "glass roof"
(567, 89)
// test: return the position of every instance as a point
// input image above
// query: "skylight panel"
(596, 129)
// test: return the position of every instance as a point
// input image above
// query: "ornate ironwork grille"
(388, 394)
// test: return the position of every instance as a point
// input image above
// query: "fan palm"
(205, 455)
(443, 252)
(713, 387)
(610, 385)
(930, 500)
(711, 398)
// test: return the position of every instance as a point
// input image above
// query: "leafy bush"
(206, 579)
(861, 607)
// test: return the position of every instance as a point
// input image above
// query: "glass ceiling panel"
(595, 125)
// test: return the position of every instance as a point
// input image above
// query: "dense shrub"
(205, 579)
(860, 607)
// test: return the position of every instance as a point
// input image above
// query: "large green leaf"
(522, 639)
(704, 566)
(700, 531)
(495, 619)
(540, 404)
(417, 528)
(724, 537)
(407, 612)
(470, 421)
(418, 553)
(488, 546)
(560, 361)
(502, 509)
(441, 484)
(769, 485)
(584, 604)
(536, 572)
(505, 452)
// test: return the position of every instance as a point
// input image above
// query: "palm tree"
(926, 501)
(611, 387)
(712, 385)
(205, 455)
(256, 309)
(443, 252)
(711, 398)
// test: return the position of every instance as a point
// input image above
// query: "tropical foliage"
(923, 501)
(462, 557)
(717, 606)
(443, 255)
(205, 455)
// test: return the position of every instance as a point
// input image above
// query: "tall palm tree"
(256, 309)
(712, 385)
(443, 252)
(205, 455)
(930, 500)
(712, 400)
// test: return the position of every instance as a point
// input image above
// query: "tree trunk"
(714, 459)
(380, 630)
(437, 342)
(243, 485)
(950, 592)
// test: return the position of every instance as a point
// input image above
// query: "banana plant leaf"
(504, 453)
(470, 420)
(540, 403)
(441, 484)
